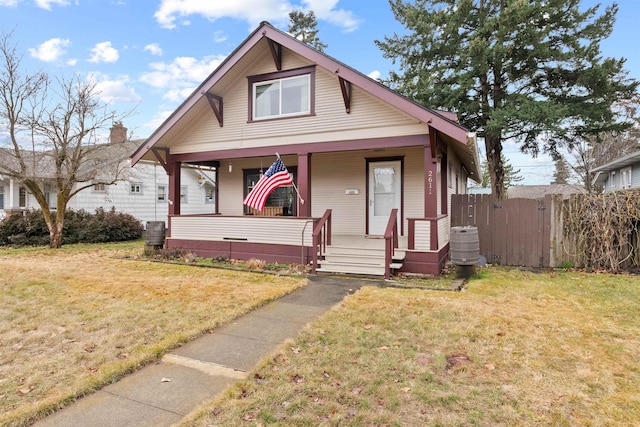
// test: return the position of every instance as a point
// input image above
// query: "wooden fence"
(519, 232)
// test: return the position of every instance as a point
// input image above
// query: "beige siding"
(422, 240)
(284, 231)
(334, 173)
(369, 117)
(444, 231)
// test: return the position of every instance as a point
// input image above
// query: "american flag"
(276, 176)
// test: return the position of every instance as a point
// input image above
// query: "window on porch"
(1, 197)
(281, 202)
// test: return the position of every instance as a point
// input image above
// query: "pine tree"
(527, 71)
(511, 175)
(303, 27)
(561, 175)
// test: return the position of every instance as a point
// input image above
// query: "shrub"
(79, 227)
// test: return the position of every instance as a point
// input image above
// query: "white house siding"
(422, 236)
(369, 117)
(145, 206)
(333, 173)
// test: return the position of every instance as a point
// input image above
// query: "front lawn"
(74, 319)
(516, 348)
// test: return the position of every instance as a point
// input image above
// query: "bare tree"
(589, 153)
(53, 137)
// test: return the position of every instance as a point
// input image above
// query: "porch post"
(430, 177)
(304, 184)
(174, 187)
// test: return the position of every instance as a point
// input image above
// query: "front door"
(385, 180)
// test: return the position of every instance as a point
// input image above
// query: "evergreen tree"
(561, 174)
(528, 71)
(511, 176)
(303, 27)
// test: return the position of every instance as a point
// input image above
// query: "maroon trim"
(370, 160)
(425, 262)
(276, 53)
(345, 88)
(430, 187)
(298, 149)
(304, 184)
(311, 71)
(444, 180)
(245, 250)
(217, 109)
(174, 187)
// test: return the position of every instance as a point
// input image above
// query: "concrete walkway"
(163, 393)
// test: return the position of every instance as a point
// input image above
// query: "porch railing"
(391, 241)
(321, 237)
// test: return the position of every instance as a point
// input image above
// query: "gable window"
(161, 194)
(135, 188)
(282, 94)
(281, 202)
(625, 177)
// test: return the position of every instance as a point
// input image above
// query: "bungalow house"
(141, 191)
(620, 174)
(373, 171)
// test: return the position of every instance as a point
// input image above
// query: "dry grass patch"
(72, 320)
(516, 348)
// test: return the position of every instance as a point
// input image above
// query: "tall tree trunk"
(493, 146)
(55, 233)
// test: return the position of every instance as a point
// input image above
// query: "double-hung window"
(625, 177)
(283, 94)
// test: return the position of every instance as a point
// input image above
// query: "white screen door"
(384, 194)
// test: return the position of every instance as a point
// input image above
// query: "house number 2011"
(430, 181)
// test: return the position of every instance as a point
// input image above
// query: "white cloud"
(325, 10)
(114, 90)
(252, 11)
(72, 62)
(154, 49)
(219, 37)
(46, 4)
(9, 3)
(50, 50)
(180, 77)
(375, 75)
(104, 52)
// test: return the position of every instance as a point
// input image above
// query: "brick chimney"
(118, 133)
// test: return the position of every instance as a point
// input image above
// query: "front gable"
(346, 106)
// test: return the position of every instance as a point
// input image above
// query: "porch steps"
(357, 261)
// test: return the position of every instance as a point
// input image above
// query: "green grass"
(77, 318)
(515, 348)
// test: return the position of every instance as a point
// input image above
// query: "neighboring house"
(620, 174)
(142, 191)
(539, 191)
(363, 158)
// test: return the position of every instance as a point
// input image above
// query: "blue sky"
(150, 55)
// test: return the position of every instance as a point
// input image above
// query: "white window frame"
(625, 177)
(277, 89)
(612, 179)
(162, 196)
(99, 187)
(135, 188)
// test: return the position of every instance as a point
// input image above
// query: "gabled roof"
(463, 142)
(601, 172)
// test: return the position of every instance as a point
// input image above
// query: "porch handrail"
(321, 237)
(391, 241)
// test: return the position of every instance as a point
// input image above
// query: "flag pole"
(294, 185)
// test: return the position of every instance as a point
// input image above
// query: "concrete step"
(399, 254)
(345, 267)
